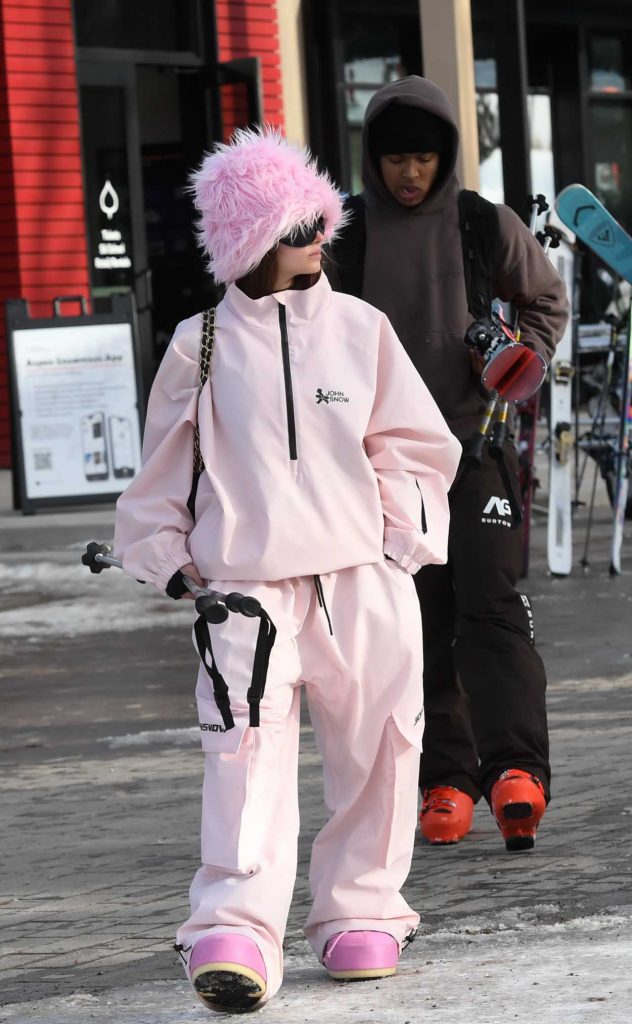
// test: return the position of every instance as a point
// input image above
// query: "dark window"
(610, 62)
(137, 24)
(611, 125)
(376, 49)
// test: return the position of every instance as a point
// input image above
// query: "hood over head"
(254, 191)
(416, 113)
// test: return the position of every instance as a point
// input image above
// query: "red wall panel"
(249, 28)
(43, 248)
(43, 244)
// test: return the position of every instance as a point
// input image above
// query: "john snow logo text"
(211, 727)
(330, 396)
(497, 512)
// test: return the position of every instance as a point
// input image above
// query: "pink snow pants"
(358, 652)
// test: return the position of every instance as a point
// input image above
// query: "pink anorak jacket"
(323, 448)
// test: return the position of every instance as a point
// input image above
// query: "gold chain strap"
(206, 354)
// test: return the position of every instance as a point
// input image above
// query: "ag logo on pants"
(497, 512)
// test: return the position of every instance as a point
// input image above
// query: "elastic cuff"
(176, 587)
(405, 562)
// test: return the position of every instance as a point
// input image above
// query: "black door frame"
(117, 68)
(122, 75)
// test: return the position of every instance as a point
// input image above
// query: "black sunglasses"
(304, 235)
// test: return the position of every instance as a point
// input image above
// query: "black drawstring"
(265, 642)
(321, 600)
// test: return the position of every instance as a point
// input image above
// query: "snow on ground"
(568, 973)
(155, 737)
(41, 600)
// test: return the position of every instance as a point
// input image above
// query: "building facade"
(106, 105)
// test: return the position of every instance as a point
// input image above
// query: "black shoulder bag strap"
(207, 342)
(480, 239)
(267, 630)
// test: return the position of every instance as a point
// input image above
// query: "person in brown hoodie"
(484, 682)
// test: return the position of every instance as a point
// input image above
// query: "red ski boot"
(446, 815)
(518, 803)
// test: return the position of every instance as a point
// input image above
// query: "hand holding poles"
(212, 605)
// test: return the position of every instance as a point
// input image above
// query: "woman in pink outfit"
(326, 471)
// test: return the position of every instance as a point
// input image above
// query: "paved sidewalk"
(100, 807)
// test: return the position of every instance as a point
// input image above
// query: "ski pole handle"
(97, 557)
(211, 604)
(248, 606)
(233, 602)
(549, 238)
(537, 205)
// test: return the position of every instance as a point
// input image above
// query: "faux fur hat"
(254, 191)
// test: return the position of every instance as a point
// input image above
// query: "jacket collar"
(301, 306)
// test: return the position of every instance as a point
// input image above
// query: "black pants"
(484, 682)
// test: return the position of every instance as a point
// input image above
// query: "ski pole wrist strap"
(265, 642)
(204, 646)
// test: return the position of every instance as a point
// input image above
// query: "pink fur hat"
(255, 191)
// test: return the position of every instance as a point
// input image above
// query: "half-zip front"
(287, 376)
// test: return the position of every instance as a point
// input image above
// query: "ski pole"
(549, 238)
(537, 205)
(212, 605)
(499, 430)
(474, 452)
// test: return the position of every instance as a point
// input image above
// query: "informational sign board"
(75, 402)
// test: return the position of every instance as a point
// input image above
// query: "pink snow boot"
(356, 956)
(227, 972)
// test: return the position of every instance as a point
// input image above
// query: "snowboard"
(561, 440)
(584, 214)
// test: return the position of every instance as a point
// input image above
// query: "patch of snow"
(73, 602)
(160, 737)
(580, 977)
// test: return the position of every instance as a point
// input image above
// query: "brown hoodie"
(413, 270)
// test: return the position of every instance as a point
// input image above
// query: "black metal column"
(511, 69)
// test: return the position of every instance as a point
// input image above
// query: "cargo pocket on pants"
(227, 825)
(402, 775)
(409, 718)
(215, 737)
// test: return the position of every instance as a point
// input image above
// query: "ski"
(584, 214)
(561, 441)
(623, 455)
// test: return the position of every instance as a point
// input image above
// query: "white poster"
(78, 404)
